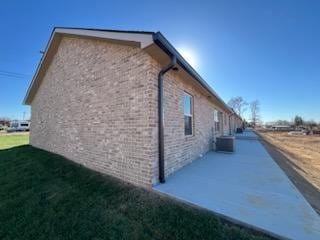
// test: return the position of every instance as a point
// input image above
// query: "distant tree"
(311, 124)
(4, 121)
(283, 122)
(244, 123)
(238, 104)
(298, 121)
(255, 113)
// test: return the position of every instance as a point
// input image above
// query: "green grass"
(8, 141)
(44, 196)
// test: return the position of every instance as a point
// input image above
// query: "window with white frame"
(216, 119)
(188, 114)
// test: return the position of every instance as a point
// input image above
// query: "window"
(218, 120)
(14, 124)
(188, 114)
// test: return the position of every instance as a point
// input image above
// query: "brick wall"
(180, 149)
(95, 106)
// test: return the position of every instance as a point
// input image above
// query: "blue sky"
(266, 50)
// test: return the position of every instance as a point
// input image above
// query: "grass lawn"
(45, 196)
(12, 140)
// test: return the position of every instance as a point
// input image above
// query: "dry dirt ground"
(4, 133)
(299, 157)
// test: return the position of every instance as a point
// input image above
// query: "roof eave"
(157, 38)
(166, 46)
(143, 39)
(27, 96)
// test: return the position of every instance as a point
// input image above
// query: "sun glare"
(188, 55)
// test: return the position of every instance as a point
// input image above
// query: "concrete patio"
(248, 187)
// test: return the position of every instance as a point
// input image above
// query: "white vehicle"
(19, 126)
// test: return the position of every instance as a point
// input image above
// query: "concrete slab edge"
(293, 184)
(225, 217)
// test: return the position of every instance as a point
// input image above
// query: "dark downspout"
(161, 117)
(230, 124)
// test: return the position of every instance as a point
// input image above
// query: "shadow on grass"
(45, 196)
(311, 193)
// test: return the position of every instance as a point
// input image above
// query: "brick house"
(98, 97)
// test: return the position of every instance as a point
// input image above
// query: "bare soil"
(5, 133)
(299, 158)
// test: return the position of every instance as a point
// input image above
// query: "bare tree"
(283, 122)
(4, 121)
(255, 112)
(311, 124)
(238, 104)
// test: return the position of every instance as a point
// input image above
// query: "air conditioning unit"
(225, 144)
(239, 130)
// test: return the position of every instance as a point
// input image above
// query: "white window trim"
(189, 115)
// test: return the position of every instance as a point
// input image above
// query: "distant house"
(4, 122)
(124, 103)
(282, 127)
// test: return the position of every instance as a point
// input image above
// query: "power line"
(7, 75)
(13, 74)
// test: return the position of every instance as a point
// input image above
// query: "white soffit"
(144, 39)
